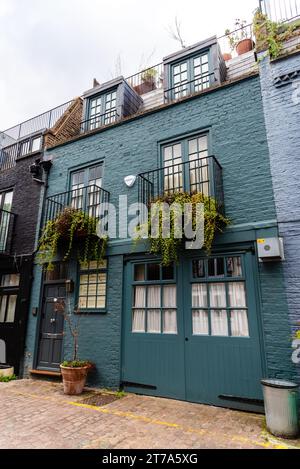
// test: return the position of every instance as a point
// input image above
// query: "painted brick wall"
(26, 201)
(234, 116)
(282, 115)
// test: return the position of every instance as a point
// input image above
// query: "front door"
(192, 332)
(51, 330)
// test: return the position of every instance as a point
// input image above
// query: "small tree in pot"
(74, 372)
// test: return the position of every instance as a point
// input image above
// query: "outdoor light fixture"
(130, 180)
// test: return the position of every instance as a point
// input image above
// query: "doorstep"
(55, 374)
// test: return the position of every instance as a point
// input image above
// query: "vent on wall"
(286, 79)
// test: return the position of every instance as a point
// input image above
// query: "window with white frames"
(186, 166)
(154, 301)
(5, 217)
(89, 198)
(92, 286)
(102, 110)
(9, 286)
(190, 76)
(219, 305)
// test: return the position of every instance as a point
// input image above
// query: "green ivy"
(272, 33)
(68, 227)
(169, 248)
(7, 379)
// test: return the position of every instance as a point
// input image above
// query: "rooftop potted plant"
(148, 81)
(240, 39)
(74, 372)
(69, 226)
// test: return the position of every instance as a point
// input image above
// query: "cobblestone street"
(36, 414)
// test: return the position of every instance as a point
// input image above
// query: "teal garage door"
(191, 331)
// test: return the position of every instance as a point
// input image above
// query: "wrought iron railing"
(10, 154)
(225, 42)
(182, 90)
(99, 120)
(202, 175)
(149, 79)
(93, 200)
(38, 123)
(280, 10)
(7, 221)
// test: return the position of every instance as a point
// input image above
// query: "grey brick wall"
(282, 115)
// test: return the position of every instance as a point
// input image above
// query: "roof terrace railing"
(280, 10)
(37, 124)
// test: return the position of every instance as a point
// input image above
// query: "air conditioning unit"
(270, 249)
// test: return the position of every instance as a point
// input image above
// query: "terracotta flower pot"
(145, 87)
(227, 56)
(244, 46)
(74, 379)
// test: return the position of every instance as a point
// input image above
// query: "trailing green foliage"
(169, 248)
(272, 34)
(69, 226)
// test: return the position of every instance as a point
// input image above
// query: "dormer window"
(108, 103)
(102, 110)
(193, 69)
(190, 76)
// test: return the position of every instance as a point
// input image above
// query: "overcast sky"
(50, 50)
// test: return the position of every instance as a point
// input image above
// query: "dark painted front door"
(52, 326)
(193, 333)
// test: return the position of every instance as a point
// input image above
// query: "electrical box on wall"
(270, 249)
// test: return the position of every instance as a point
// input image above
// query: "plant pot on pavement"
(74, 379)
(6, 371)
(244, 46)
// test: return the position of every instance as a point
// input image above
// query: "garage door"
(191, 331)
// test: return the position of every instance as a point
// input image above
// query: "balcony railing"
(280, 10)
(10, 154)
(202, 175)
(93, 200)
(99, 120)
(150, 79)
(188, 88)
(7, 221)
(32, 126)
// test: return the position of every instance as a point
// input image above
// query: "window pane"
(219, 324)
(217, 295)
(168, 272)
(153, 321)
(199, 295)
(153, 297)
(239, 323)
(237, 294)
(11, 308)
(92, 287)
(59, 272)
(83, 290)
(153, 272)
(84, 279)
(198, 269)
(91, 302)
(101, 302)
(234, 267)
(138, 320)
(10, 280)
(169, 296)
(82, 302)
(200, 322)
(36, 144)
(3, 300)
(139, 272)
(216, 267)
(170, 322)
(139, 297)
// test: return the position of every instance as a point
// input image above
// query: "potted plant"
(148, 81)
(74, 372)
(240, 39)
(63, 233)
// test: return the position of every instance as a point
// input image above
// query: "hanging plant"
(169, 248)
(67, 229)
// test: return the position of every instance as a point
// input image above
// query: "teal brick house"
(205, 330)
